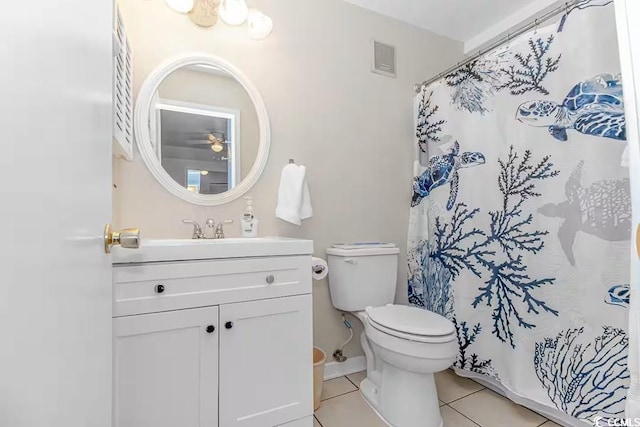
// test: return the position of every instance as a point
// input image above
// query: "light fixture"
(182, 6)
(216, 143)
(204, 13)
(233, 12)
(204, 173)
(260, 25)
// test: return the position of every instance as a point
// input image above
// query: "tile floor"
(464, 403)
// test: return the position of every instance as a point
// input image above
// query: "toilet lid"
(362, 249)
(411, 320)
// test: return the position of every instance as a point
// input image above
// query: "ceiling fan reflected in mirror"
(216, 143)
(216, 140)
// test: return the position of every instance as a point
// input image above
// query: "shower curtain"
(521, 216)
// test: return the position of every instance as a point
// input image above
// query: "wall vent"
(384, 59)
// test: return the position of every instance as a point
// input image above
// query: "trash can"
(318, 373)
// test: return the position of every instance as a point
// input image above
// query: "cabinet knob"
(210, 329)
(159, 288)
(228, 325)
(270, 279)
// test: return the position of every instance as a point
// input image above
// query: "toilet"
(404, 346)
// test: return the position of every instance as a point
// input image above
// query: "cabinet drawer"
(150, 288)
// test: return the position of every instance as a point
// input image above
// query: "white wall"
(534, 9)
(351, 128)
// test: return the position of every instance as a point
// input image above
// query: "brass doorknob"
(128, 238)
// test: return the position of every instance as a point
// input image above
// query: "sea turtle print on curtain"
(521, 216)
(618, 295)
(602, 209)
(444, 170)
(593, 107)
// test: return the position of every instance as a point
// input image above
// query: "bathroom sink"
(152, 250)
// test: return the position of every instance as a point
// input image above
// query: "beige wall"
(351, 128)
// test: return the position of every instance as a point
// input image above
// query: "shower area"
(521, 214)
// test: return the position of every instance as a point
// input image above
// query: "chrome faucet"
(199, 233)
(219, 232)
(197, 230)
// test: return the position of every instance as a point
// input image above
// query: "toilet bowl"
(431, 349)
(404, 346)
(400, 385)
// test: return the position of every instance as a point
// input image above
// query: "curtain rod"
(564, 8)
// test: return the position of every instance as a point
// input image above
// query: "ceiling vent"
(384, 59)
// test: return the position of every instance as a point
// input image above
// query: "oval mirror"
(202, 129)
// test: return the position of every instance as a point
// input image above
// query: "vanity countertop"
(201, 249)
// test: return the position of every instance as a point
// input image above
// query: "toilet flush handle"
(350, 261)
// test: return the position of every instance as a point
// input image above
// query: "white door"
(166, 369)
(55, 199)
(628, 24)
(266, 362)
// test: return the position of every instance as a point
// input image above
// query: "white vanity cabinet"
(264, 362)
(166, 367)
(220, 342)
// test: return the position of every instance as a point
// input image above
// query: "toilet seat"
(411, 323)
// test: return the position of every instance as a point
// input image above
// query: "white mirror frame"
(143, 138)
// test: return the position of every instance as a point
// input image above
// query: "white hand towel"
(294, 201)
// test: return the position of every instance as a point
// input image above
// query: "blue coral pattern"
(585, 378)
(528, 255)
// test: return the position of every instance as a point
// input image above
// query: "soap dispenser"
(248, 222)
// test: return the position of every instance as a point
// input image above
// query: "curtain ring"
(508, 43)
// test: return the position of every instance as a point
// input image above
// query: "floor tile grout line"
(511, 401)
(448, 404)
(454, 409)
(338, 395)
(347, 392)
(470, 394)
(485, 388)
(349, 379)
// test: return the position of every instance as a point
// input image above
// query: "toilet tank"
(362, 276)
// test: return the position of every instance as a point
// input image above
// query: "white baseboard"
(350, 366)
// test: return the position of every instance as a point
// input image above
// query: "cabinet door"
(166, 369)
(266, 362)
